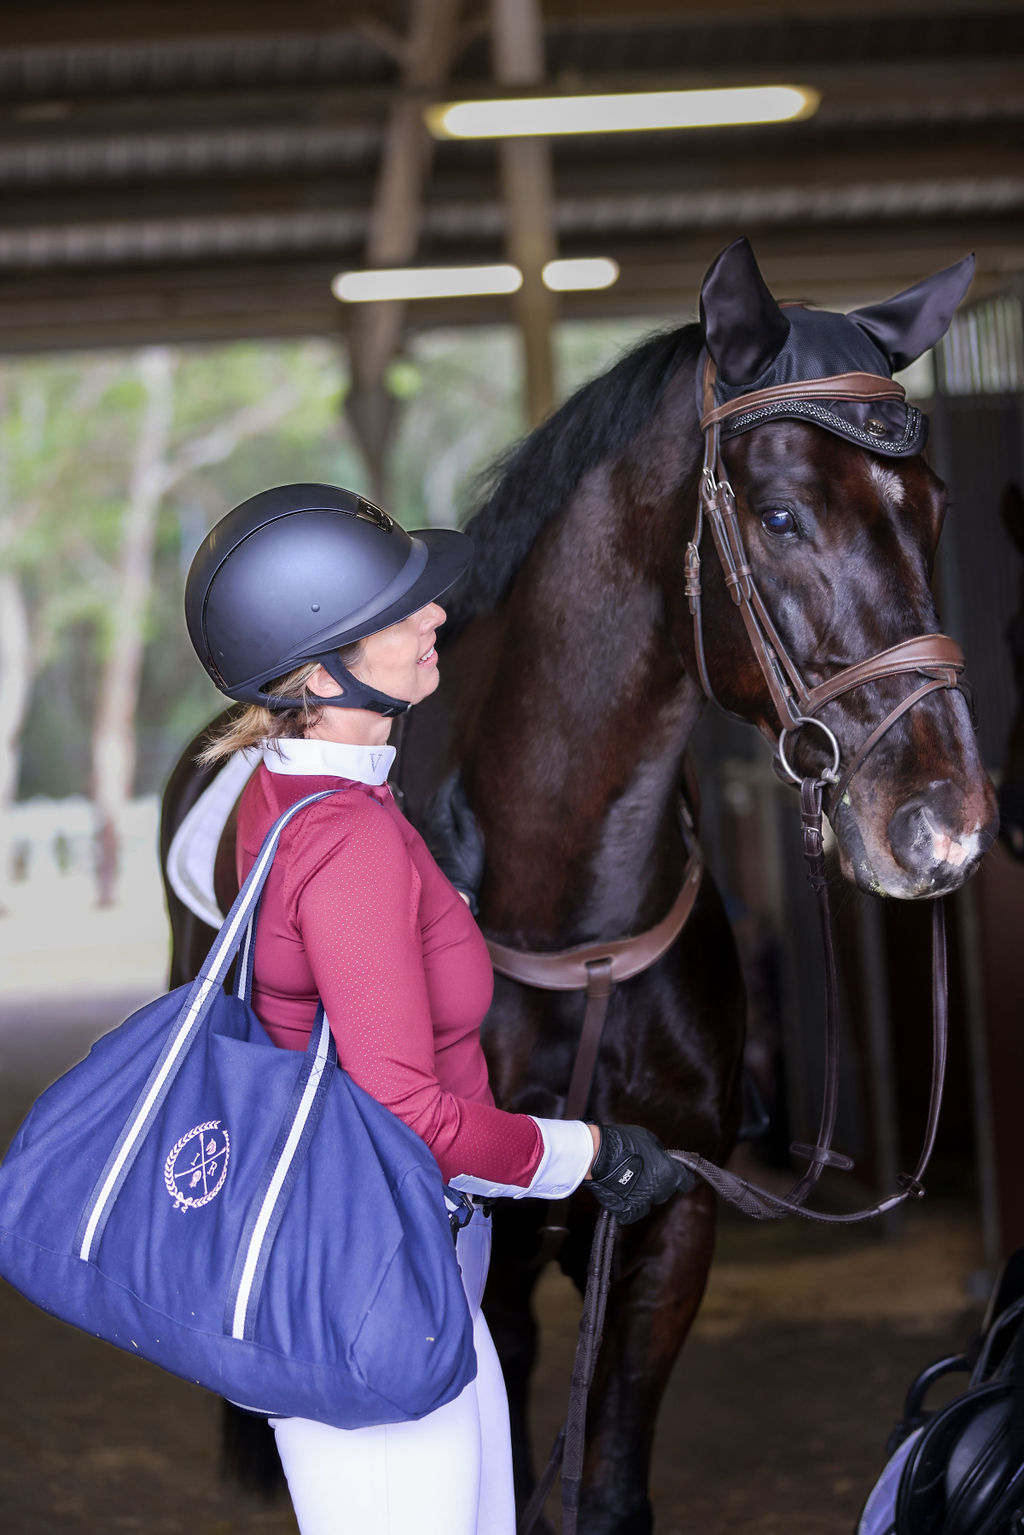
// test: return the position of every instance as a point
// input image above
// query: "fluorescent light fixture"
(544, 116)
(575, 275)
(383, 284)
(380, 285)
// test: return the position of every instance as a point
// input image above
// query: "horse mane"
(524, 488)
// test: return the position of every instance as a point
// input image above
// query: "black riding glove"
(451, 832)
(633, 1171)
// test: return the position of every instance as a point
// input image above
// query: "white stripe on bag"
(280, 1173)
(212, 977)
(241, 984)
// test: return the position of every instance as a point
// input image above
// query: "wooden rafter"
(529, 200)
(375, 330)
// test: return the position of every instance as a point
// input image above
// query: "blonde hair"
(256, 722)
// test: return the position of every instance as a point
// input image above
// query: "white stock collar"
(333, 759)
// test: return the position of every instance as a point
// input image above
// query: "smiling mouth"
(427, 657)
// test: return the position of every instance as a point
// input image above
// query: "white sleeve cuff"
(564, 1163)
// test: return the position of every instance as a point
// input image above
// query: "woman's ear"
(322, 684)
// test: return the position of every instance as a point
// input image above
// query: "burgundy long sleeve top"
(356, 912)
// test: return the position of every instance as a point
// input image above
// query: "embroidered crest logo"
(197, 1166)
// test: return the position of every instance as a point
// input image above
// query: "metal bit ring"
(827, 775)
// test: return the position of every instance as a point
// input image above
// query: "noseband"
(935, 658)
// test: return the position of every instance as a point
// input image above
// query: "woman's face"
(401, 660)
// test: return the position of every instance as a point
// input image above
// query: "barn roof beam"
(836, 160)
(475, 226)
(125, 23)
(874, 86)
(836, 263)
(203, 172)
(236, 150)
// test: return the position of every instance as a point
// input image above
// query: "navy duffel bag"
(242, 1215)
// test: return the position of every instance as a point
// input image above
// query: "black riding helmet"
(296, 572)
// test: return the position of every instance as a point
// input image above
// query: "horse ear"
(907, 325)
(744, 328)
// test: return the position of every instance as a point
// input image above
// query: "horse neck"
(575, 756)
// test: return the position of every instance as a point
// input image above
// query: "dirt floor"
(775, 1419)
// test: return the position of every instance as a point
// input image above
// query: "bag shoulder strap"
(181, 1037)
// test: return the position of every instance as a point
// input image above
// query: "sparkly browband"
(841, 386)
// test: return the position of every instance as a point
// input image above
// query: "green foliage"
(69, 431)
(468, 408)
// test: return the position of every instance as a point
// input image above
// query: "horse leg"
(658, 1280)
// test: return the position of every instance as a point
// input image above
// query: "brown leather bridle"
(935, 658)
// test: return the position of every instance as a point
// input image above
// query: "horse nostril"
(925, 835)
(910, 835)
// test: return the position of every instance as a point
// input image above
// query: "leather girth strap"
(570, 969)
(594, 968)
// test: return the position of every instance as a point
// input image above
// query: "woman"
(316, 610)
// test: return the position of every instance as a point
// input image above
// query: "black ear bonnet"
(758, 344)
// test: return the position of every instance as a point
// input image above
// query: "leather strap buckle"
(691, 588)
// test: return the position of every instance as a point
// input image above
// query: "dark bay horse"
(570, 690)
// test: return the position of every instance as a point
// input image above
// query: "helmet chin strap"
(356, 694)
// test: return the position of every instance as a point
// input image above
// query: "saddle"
(959, 1469)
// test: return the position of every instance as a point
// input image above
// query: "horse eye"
(778, 521)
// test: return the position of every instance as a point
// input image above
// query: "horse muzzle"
(932, 844)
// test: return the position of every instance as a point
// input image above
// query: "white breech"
(449, 1473)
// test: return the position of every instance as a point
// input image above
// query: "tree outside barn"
(115, 465)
